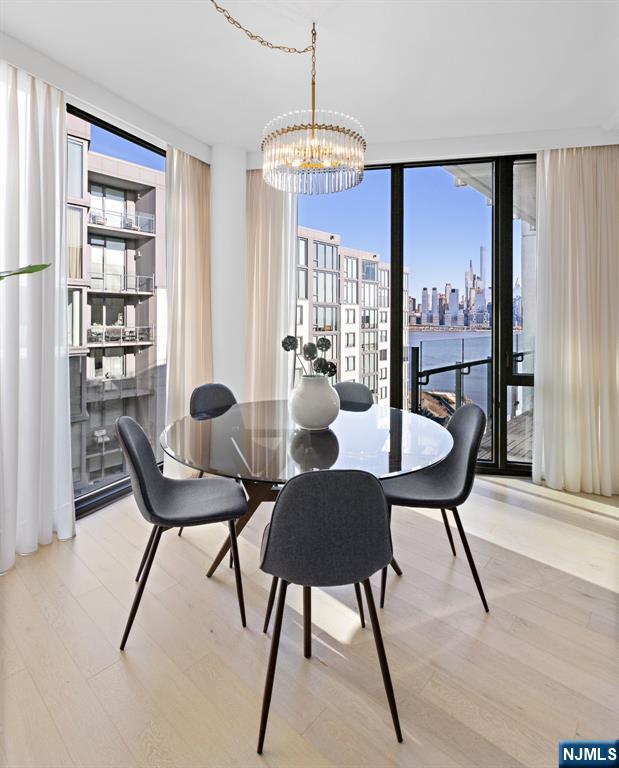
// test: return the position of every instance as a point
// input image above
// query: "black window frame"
(503, 373)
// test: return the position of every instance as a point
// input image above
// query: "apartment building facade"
(345, 294)
(116, 306)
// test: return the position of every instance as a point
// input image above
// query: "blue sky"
(110, 144)
(444, 225)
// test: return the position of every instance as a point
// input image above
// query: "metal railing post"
(458, 388)
(489, 409)
(414, 377)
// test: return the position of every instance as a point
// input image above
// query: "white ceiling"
(407, 70)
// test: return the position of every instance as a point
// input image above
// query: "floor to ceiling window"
(448, 215)
(458, 240)
(117, 303)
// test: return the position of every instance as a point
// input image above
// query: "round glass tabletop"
(259, 441)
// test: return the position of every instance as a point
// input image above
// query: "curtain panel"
(576, 422)
(188, 257)
(36, 489)
(270, 288)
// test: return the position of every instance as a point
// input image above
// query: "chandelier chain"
(266, 43)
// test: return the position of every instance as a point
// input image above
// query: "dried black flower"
(321, 366)
(289, 343)
(323, 344)
(310, 351)
(331, 368)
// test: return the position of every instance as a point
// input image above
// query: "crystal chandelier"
(309, 152)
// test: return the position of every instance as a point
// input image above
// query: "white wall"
(228, 181)
(98, 101)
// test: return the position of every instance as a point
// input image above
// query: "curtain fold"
(36, 489)
(190, 347)
(270, 288)
(576, 422)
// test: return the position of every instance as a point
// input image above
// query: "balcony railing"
(135, 222)
(114, 388)
(119, 334)
(122, 283)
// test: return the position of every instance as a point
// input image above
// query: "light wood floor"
(474, 690)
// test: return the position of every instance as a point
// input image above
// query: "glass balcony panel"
(520, 403)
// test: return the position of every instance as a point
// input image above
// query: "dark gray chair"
(446, 485)
(328, 529)
(210, 400)
(354, 396)
(207, 402)
(168, 503)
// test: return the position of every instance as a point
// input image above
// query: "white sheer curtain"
(190, 348)
(576, 437)
(271, 305)
(36, 491)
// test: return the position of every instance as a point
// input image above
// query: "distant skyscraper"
(482, 265)
(435, 309)
(424, 301)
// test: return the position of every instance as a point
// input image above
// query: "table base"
(257, 493)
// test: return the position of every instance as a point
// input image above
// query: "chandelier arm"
(266, 43)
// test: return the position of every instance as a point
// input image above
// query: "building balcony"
(138, 285)
(115, 388)
(137, 224)
(119, 335)
(101, 442)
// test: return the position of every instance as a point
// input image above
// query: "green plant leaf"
(24, 270)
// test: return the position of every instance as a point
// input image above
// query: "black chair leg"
(469, 557)
(360, 604)
(307, 622)
(394, 564)
(268, 686)
(382, 658)
(146, 551)
(237, 570)
(158, 530)
(270, 602)
(448, 529)
(383, 586)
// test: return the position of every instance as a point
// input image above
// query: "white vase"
(313, 403)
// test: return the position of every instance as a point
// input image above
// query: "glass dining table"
(259, 444)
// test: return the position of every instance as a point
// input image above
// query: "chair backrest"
(210, 400)
(328, 528)
(354, 396)
(467, 427)
(146, 479)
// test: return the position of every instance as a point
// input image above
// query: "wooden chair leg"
(469, 557)
(307, 622)
(448, 529)
(237, 570)
(158, 530)
(383, 586)
(146, 551)
(382, 658)
(360, 604)
(270, 602)
(268, 686)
